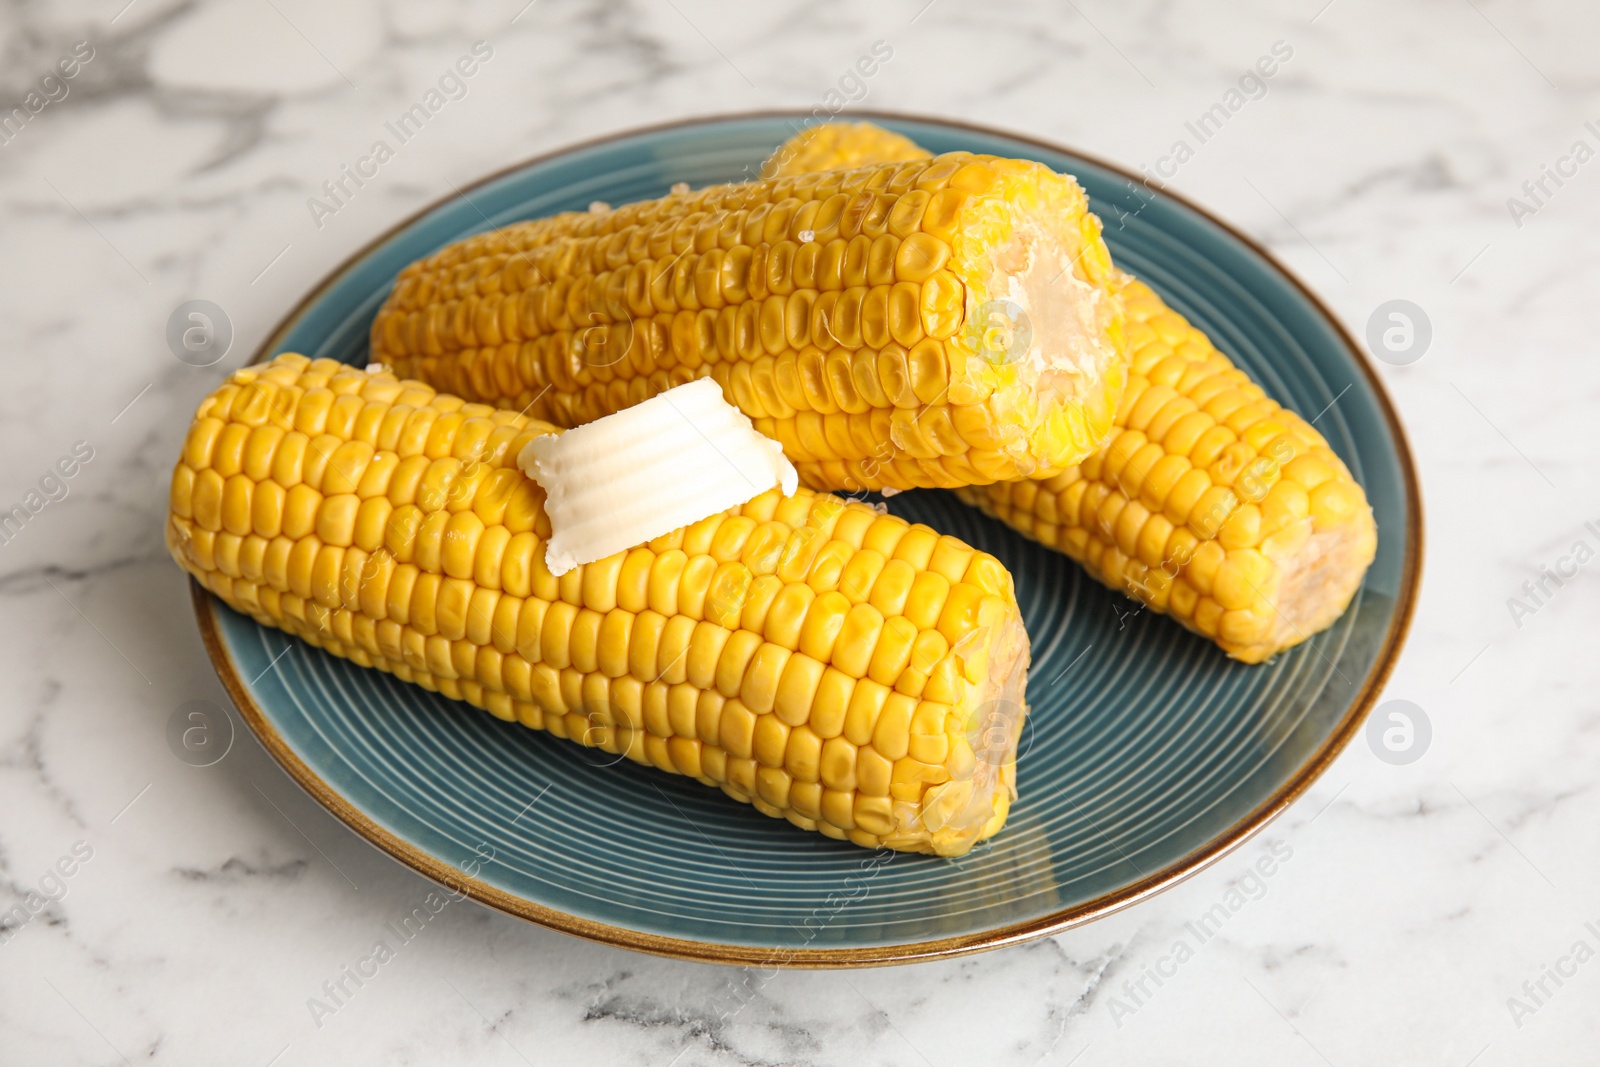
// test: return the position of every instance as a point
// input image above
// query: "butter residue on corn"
(627, 478)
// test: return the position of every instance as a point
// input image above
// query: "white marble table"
(206, 905)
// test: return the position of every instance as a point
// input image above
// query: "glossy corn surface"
(832, 666)
(1211, 503)
(846, 313)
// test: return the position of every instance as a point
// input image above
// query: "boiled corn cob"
(1210, 502)
(840, 668)
(840, 146)
(851, 315)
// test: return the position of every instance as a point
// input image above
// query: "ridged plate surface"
(1147, 755)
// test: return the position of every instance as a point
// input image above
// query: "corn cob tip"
(1317, 584)
(839, 146)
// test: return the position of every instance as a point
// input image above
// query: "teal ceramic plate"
(1147, 756)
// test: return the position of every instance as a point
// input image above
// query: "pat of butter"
(679, 457)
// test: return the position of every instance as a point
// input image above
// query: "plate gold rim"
(255, 718)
